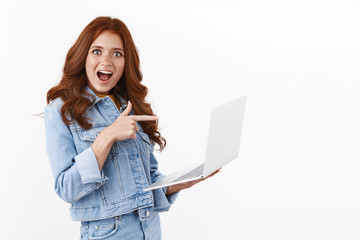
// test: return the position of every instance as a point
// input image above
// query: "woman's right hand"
(124, 127)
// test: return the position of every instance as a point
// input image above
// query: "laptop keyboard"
(194, 173)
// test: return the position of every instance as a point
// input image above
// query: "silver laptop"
(222, 146)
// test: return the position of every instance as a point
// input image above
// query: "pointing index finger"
(127, 109)
(143, 118)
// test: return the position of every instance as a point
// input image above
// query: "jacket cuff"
(171, 197)
(163, 202)
(88, 167)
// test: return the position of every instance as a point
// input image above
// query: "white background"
(298, 63)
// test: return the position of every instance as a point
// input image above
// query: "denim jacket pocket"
(89, 136)
(146, 139)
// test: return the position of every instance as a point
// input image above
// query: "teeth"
(105, 72)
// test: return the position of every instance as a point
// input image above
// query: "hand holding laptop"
(222, 147)
(186, 185)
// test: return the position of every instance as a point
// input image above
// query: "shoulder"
(57, 103)
(53, 109)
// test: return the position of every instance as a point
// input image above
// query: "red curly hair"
(71, 88)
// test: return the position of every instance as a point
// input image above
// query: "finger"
(214, 173)
(217, 171)
(136, 127)
(144, 118)
(133, 136)
(127, 109)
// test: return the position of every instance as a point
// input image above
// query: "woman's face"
(105, 62)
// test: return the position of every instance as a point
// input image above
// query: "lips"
(104, 75)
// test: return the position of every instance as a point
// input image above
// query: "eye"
(96, 51)
(118, 54)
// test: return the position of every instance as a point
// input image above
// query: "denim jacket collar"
(123, 103)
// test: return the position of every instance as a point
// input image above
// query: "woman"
(100, 136)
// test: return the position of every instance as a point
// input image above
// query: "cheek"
(89, 67)
(89, 63)
(88, 72)
(120, 66)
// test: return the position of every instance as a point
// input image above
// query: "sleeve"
(163, 202)
(75, 175)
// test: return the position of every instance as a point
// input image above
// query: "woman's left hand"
(185, 185)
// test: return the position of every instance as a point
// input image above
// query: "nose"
(105, 60)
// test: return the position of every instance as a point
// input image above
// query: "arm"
(163, 199)
(178, 187)
(75, 174)
(166, 196)
(78, 174)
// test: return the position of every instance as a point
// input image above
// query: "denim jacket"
(118, 188)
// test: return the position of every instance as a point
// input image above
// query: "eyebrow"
(103, 47)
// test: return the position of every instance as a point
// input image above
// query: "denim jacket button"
(147, 213)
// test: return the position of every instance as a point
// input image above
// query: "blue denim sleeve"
(75, 174)
(163, 202)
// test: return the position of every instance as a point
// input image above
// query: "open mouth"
(104, 75)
